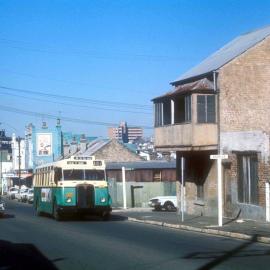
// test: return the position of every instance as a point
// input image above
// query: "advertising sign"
(44, 144)
(46, 195)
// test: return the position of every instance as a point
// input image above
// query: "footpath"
(257, 231)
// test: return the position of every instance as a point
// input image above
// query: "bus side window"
(57, 174)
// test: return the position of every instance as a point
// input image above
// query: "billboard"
(44, 144)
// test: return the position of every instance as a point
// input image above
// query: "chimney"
(44, 124)
(66, 147)
(83, 143)
(58, 123)
(73, 146)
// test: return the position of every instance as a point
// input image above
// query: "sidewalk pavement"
(242, 229)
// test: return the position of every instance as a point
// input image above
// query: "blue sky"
(113, 51)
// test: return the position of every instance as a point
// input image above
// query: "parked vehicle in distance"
(30, 195)
(2, 208)
(168, 203)
(11, 193)
(21, 195)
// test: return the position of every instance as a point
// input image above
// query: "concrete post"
(124, 188)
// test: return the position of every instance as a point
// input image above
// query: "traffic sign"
(218, 156)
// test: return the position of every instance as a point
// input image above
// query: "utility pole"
(1, 176)
(19, 144)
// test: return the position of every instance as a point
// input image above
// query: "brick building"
(222, 106)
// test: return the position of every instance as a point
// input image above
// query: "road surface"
(42, 243)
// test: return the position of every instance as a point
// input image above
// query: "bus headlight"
(103, 200)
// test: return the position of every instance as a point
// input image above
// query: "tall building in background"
(125, 133)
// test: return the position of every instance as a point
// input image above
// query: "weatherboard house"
(222, 106)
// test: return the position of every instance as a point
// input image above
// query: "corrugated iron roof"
(227, 53)
(93, 147)
(155, 164)
(199, 85)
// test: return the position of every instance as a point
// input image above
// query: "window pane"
(167, 112)
(96, 175)
(211, 109)
(187, 108)
(248, 179)
(158, 114)
(240, 180)
(73, 175)
(201, 110)
(254, 180)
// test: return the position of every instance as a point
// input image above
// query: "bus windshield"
(94, 175)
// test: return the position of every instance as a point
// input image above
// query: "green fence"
(143, 191)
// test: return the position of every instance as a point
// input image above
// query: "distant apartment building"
(125, 133)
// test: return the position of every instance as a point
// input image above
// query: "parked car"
(2, 208)
(11, 193)
(30, 195)
(21, 195)
(168, 203)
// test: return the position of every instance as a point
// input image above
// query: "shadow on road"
(23, 256)
(222, 256)
(7, 216)
(94, 218)
(86, 218)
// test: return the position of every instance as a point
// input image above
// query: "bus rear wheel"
(38, 213)
(56, 214)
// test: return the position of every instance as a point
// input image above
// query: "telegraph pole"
(19, 144)
(1, 176)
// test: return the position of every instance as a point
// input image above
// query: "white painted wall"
(245, 141)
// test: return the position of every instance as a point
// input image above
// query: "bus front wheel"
(106, 216)
(56, 214)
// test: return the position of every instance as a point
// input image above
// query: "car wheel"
(169, 206)
(157, 208)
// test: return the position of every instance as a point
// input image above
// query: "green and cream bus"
(74, 185)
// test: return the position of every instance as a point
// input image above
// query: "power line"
(64, 118)
(94, 54)
(75, 105)
(77, 99)
(72, 82)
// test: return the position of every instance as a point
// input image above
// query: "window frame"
(204, 112)
(248, 178)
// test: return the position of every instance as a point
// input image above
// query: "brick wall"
(245, 90)
(244, 85)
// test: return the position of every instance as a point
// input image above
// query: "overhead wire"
(75, 105)
(63, 118)
(79, 99)
(94, 54)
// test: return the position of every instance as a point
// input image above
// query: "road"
(43, 243)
